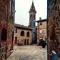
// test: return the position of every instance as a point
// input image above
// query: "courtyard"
(28, 52)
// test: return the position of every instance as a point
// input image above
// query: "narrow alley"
(28, 53)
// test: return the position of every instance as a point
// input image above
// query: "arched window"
(40, 23)
(30, 16)
(4, 34)
(22, 33)
(28, 34)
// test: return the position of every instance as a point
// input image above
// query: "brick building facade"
(6, 27)
(41, 30)
(22, 35)
(54, 26)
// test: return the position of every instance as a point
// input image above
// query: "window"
(40, 31)
(40, 23)
(16, 30)
(55, 1)
(56, 8)
(59, 6)
(27, 41)
(22, 33)
(28, 34)
(4, 34)
(59, 13)
(15, 40)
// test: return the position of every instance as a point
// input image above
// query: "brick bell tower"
(32, 14)
(32, 18)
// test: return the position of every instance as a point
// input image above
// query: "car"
(42, 43)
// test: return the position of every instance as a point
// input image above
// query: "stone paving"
(28, 53)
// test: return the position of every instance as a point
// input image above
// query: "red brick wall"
(5, 22)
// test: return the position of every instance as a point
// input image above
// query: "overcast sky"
(22, 8)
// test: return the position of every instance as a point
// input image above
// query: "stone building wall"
(23, 40)
(6, 28)
(54, 26)
(42, 30)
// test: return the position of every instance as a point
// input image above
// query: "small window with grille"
(22, 33)
(40, 23)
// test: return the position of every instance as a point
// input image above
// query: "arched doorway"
(28, 34)
(4, 34)
(15, 40)
(25, 42)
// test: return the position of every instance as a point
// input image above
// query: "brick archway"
(4, 34)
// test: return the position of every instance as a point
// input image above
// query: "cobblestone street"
(28, 53)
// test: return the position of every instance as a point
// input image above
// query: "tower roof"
(32, 9)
